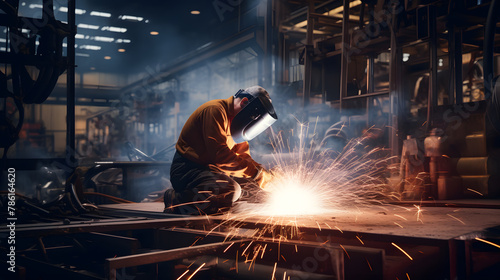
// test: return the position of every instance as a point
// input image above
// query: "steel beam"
(162, 256)
(344, 64)
(70, 85)
(308, 55)
(35, 231)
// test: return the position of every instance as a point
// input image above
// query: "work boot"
(168, 200)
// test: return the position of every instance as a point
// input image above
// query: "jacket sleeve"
(229, 161)
(243, 150)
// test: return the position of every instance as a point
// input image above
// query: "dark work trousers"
(198, 190)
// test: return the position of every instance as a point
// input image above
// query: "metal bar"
(433, 46)
(161, 256)
(371, 74)
(70, 84)
(451, 60)
(366, 95)
(394, 90)
(106, 226)
(345, 53)
(459, 99)
(120, 244)
(308, 54)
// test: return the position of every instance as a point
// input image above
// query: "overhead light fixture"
(92, 68)
(88, 26)
(107, 57)
(35, 6)
(79, 36)
(100, 14)
(77, 11)
(82, 54)
(406, 57)
(121, 50)
(90, 47)
(131, 18)
(65, 45)
(114, 29)
(195, 12)
(119, 41)
(103, 39)
(154, 33)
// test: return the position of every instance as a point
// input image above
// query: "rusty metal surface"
(442, 223)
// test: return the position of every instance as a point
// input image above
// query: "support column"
(433, 63)
(308, 53)
(345, 53)
(70, 85)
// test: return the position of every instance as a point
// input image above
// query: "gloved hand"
(263, 178)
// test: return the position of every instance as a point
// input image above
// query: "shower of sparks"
(400, 249)
(314, 179)
(183, 274)
(474, 191)
(274, 271)
(455, 218)
(198, 269)
(487, 242)
(308, 181)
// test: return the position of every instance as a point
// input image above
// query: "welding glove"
(263, 177)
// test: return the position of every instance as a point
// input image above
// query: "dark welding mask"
(255, 117)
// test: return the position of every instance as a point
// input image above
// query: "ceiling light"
(406, 57)
(195, 12)
(88, 26)
(77, 11)
(121, 50)
(114, 29)
(79, 36)
(82, 54)
(103, 39)
(35, 6)
(154, 33)
(119, 41)
(90, 47)
(131, 18)
(100, 14)
(107, 57)
(92, 68)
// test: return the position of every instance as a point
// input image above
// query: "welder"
(212, 159)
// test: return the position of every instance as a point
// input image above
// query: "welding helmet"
(255, 117)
